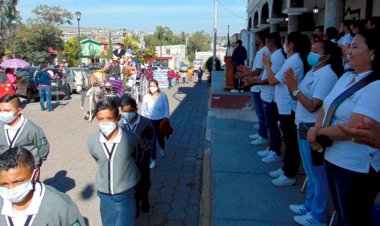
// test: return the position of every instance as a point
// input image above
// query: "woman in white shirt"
(155, 106)
(353, 169)
(325, 58)
(297, 47)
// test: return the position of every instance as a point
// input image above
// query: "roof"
(97, 40)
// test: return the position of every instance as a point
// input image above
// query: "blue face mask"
(313, 59)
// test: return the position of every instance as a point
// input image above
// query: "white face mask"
(7, 117)
(107, 128)
(285, 48)
(17, 194)
(128, 116)
(153, 89)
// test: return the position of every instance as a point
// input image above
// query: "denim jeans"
(45, 92)
(292, 158)
(257, 103)
(353, 194)
(119, 209)
(317, 192)
(271, 117)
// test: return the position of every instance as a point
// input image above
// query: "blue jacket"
(42, 78)
(239, 56)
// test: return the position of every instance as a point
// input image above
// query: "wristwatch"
(295, 93)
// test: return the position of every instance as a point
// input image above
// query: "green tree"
(51, 15)
(199, 41)
(33, 42)
(71, 49)
(8, 15)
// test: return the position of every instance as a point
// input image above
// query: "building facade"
(286, 16)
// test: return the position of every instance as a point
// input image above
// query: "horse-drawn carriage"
(99, 86)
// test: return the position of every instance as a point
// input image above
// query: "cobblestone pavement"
(176, 181)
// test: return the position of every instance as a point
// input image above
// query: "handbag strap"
(348, 92)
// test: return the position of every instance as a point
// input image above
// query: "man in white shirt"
(345, 41)
(24, 201)
(248, 78)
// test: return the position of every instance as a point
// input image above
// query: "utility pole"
(215, 34)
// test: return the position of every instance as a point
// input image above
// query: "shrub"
(208, 64)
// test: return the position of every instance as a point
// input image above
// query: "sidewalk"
(240, 190)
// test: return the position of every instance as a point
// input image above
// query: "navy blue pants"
(292, 157)
(119, 209)
(353, 194)
(271, 117)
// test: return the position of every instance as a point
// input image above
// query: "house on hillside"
(94, 51)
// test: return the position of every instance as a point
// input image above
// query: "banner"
(162, 78)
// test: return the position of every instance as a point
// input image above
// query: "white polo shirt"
(347, 154)
(316, 84)
(345, 40)
(20, 217)
(258, 63)
(267, 91)
(285, 103)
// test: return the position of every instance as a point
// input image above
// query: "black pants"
(271, 119)
(353, 194)
(143, 187)
(292, 158)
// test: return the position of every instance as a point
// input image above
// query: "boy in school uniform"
(143, 127)
(116, 152)
(25, 201)
(19, 131)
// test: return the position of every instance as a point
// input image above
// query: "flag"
(228, 50)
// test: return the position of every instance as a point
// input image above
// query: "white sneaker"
(272, 157)
(276, 173)
(298, 209)
(260, 140)
(242, 91)
(152, 164)
(234, 91)
(254, 136)
(307, 219)
(284, 181)
(264, 153)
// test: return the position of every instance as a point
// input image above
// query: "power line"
(233, 13)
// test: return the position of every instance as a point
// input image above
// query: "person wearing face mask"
(325, 58)
(26, 201)
(155, 106)
(143, 127)
(297, 47)
(353, 169)
(116, 152)
(19, 131)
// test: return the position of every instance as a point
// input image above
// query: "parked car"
(71, 72)
(27, 88)
(5, 85)
(183, 68)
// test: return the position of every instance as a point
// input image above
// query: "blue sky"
(145, 15)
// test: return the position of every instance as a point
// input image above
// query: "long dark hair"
(372, 37)
(335, 56)
(155, 82)
(302, 46)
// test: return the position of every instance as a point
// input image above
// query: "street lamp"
(78, 14)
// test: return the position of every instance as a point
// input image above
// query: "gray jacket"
(56, 209)
(30, 137)
(117, 173)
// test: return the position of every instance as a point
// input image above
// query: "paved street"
(176, 181)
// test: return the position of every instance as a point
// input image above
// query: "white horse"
(88, 86)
